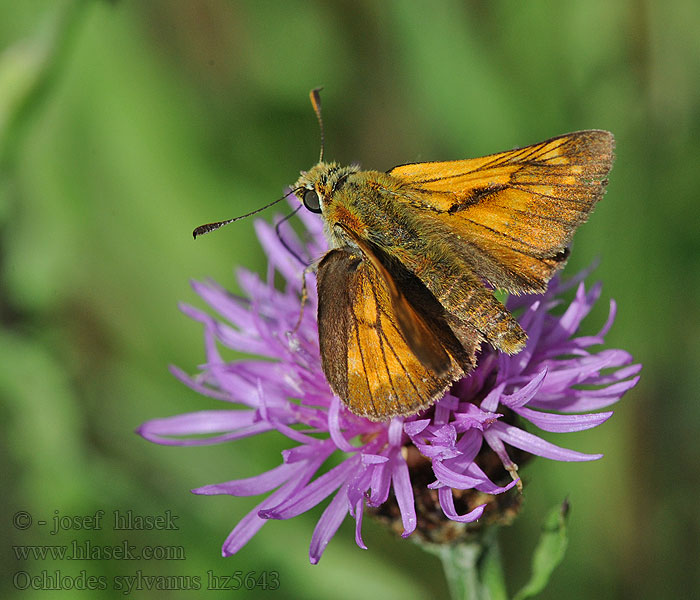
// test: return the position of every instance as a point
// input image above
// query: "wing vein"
(549, 196)
(505, 235)
(362, 358)
(382, 338)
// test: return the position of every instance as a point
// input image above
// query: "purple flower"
(549, 384)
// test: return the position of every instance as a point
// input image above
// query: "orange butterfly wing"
(516, 211)
(369, 359)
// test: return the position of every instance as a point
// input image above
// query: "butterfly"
(405, 294)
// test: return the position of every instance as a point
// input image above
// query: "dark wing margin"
(334, 279)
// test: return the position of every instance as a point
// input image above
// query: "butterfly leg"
(304, 294)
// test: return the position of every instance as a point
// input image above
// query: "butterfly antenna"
(282, 240)
(202, 229)
(315, 96)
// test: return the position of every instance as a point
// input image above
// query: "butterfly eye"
(312, 201)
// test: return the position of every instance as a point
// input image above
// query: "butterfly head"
(315, 188)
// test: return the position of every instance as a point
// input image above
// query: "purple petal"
(530, 443)
(312, 494)
(252, 486)
(436, 452)
(471, 477)
(532, 321)
(468, 445)
(328, 524)
(566, 404)
(563, 423)
(619, 374)
(581, 370)
(558, 285)
(202, 422)
(448, 507)
(526, 393)
(282, 260)
(232, 308)
(373, 459)
(358, 524)
(490, 403)
(413, 428)
(380, 484)
(403, 491)
(610, 320)
(318, 449)
(294, 434)
(249, 525)
(473, 417)
(334, 427)
(586, 400)
(568, 323)
(444, 409)
(448, 477)
(396, 431)
(487, 486)
(357, 492)
(197, 386)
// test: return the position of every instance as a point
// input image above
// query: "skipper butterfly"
(405, 295)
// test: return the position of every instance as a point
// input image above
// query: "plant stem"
(473, 569)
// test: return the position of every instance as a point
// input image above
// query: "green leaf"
(549, 552)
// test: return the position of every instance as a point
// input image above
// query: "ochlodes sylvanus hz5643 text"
(405, 293)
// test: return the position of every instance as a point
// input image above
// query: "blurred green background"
(125, 124)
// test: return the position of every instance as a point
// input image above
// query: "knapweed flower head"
(554, 384)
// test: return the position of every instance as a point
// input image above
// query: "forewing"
(515, 212)
(364, 351)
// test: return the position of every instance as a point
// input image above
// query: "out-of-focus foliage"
(125, 124)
